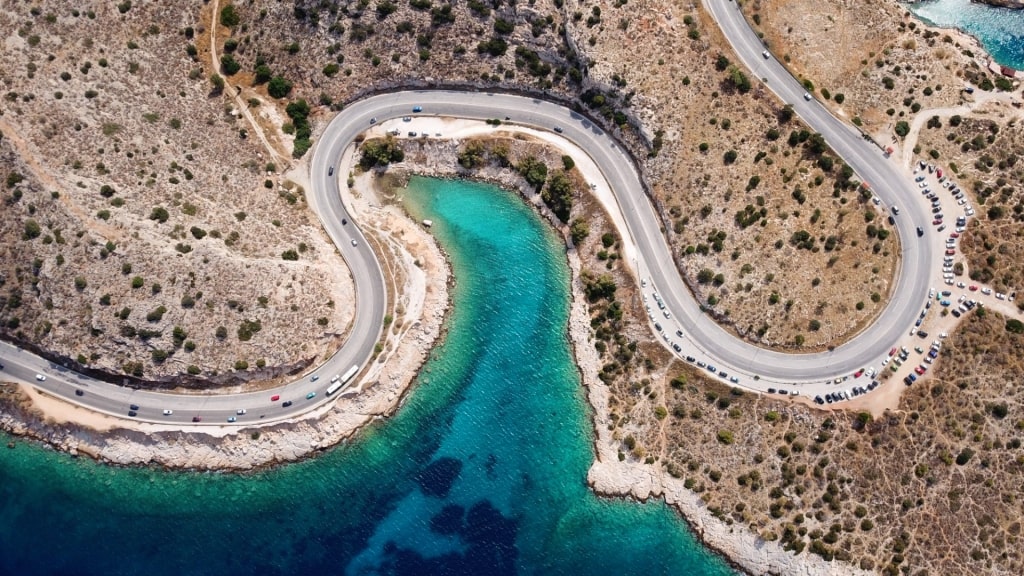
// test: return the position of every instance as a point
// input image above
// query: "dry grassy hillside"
(142, 230)
(766, 225)
(871, 62)
(944, 498)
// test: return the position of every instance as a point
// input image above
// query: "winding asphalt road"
(702, 337)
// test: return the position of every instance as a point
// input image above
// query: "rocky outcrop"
(1012, 4)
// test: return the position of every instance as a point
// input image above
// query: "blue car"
(944, 302)
(418, 109)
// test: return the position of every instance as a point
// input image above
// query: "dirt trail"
(242, 107)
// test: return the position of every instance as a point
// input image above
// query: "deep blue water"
(482, 471)
(1000, 30)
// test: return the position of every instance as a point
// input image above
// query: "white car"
(1000, 296)
(807, 96)
(765, 54)
(168, 412)
(354, 243)
(986, 290)
(40, 377)
(240, 411)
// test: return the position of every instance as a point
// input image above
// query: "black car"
(920, 232)
(691, 359)
(286, 404)
(133, 413)
(79, 392)
(956, 313)
(133, 407)
(677, 347)
(818, 400)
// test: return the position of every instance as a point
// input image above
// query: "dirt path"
(243, 109)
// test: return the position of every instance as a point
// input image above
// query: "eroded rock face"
(1013, 4)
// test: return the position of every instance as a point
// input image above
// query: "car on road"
(197, 418)
(133, 413)
(807, 96)
(373, 120)
(690, 359)
(765, 54)
(734, 380)
(168, 412)
(240, 411)
(417, 108)
(920, 232)
(133, 407)
(558, 129)
(330, 171)
(314, 377)
(79, 392)
(40, 377)
(354, 243)
(275, 397)
(286, 403)
(311, 395)
(232, 419)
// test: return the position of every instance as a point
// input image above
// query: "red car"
(275, 397)
(197, 418)
(858, 373)
(893, 351)
(918, 370)
(954, 235)
(973, 288)
(950, 252)
(936, 222)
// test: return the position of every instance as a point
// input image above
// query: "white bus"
(338, 381)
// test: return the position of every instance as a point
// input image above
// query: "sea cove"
(482, 470)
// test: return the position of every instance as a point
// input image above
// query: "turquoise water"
(482, 471)
(1001, 31)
